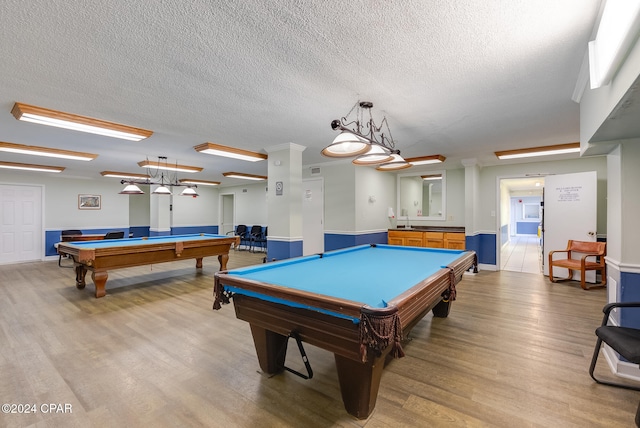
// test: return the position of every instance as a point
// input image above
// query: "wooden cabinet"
(405, 237)
(417, 238)
(455, 240)
(434, 239)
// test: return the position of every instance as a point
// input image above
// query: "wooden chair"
(594, 250)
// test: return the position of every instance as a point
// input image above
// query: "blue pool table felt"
(371, 275)
(144, 241)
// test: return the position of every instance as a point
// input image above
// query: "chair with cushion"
(258, 237)
(592, 258)
(114, 235)
(65, 236)
(623, 340)
(242, 232)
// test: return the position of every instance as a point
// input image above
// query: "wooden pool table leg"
(223, 258)
(199, 263)
(269, 347)
(99, 279)
(359, 383)
(81, 272)
(441, 310)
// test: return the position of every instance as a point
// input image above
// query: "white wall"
(61, 200)
(250, 203)
(489, 180)
(339, 194)
(200, 211)
(373, 215)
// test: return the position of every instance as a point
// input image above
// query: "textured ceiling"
(459, 78)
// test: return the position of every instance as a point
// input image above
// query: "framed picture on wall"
(89, 202)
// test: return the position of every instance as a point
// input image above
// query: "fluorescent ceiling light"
(31, 167)
(432, 177)
(115, 174)
(229, 152)
(539, 151)
(426, 160)
(44, 151)
(199, 182)
(43, 116)
(618, 29)
(244, 176)
(169, 167)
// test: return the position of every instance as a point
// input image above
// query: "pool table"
(357, 302)
(101, 256)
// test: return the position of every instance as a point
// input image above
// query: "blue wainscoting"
(484, 244)
(527, 228)
(630, 292)
(280, 250)
(52, 237)
(186, 230)
(334, 241)
(139, 231)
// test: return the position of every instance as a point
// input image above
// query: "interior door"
(570, 212)
(312, 216)
(227, 211)
(20, 223)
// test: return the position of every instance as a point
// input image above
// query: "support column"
(159, 214)
(483, 244)
(284, 201)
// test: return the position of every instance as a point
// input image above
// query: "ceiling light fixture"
(115, 174)
(432, 177)
(617, 31)
(539, 151)
(43, 116)
(31, 167)
(44, 151)
(162, 164)
(395, 164)
(426, 160)
(156, 175)
(244, 176)
(229, 152)
(366, 140)
(201, 182)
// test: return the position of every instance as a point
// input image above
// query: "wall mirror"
(422, 196)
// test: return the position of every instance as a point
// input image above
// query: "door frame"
(221, 206)
(43, 235)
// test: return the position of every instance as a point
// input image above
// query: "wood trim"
(212, 146)
(44, 151)
(31, 166)
(19, 109)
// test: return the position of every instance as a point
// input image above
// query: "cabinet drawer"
(454, 236)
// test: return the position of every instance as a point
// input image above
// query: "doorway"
(21, 228)
(520, 220)
(227, 213)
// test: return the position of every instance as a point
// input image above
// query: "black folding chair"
(623, 340)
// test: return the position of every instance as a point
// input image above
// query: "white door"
(312, 216)
(20, 224)
(226, 213)
(570, 212)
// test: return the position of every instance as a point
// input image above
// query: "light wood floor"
(514, 352)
